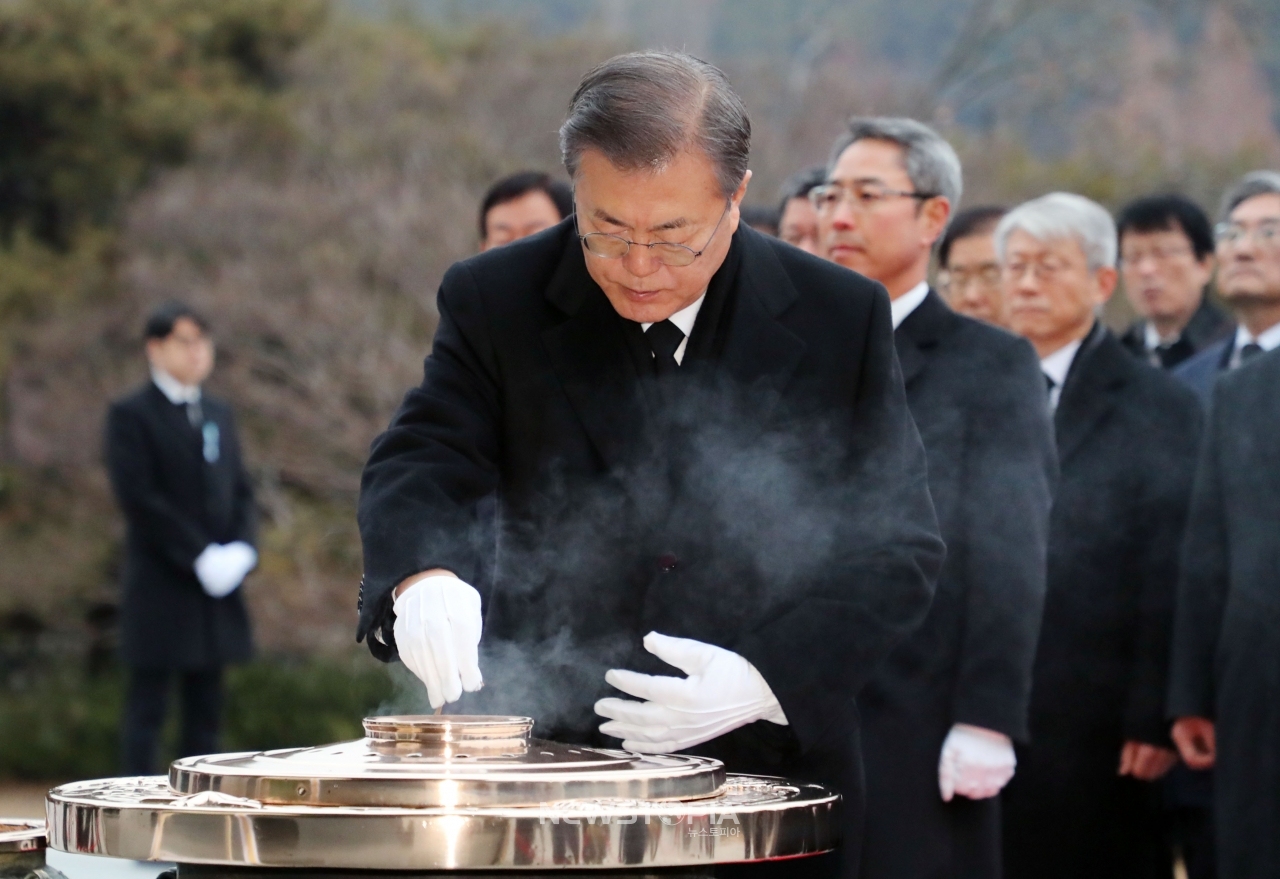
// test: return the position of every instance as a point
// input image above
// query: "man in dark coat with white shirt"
(1248, 249)
(694, 431)
(1225, 681)
(174, 461)
(939, 718)
(1083, 802)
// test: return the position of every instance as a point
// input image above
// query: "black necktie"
(1049, 385)
(1250, 351)
(664, 338)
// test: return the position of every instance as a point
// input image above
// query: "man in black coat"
(743, 481)
(1225, 681)
(1248, 280)
(1166, 261)
(1083, 802)
(174, 462)
(939, 718)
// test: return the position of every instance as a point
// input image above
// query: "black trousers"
(146, 704)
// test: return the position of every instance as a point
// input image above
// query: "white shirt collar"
(178, 393)
(685, 318)
(900, 309)
(1056, 366)
(1151, 337)
(1267, 340)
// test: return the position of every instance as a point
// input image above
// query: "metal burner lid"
(446, 761)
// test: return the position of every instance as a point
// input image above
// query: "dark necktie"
(1250, 351)
(664, 338)
(1049, 385)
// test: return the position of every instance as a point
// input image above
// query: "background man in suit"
(798, 223)
(968, 272)
(695, 431)
(1082, 803)
(1248, 279)
(520, 205)
(1225, 681)
(175, 466)
(1166, 261)
(939, 717)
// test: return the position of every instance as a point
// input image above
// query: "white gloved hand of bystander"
(437, 630)
(975, 762)
(221, 568)
(721, 693)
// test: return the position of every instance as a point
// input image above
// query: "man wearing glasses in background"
(1166, 261)
(713, 498)
(1248, 251)
(968, 273)
(940, 716)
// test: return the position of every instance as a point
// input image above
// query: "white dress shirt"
(900, 309)
(1056, 366)
(1267, 340)
(684, 319)
(178, 393)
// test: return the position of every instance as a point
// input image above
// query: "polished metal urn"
(424, 795)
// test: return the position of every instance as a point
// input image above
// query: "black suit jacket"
(770, 499)
(176, 503)
(1226, 660)
(978, 398)
(1127, 437)
(1208, 325)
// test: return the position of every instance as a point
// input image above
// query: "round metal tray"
(749, 819)
(428, 761)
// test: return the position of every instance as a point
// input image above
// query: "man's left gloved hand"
(975, 762)
(721, 693)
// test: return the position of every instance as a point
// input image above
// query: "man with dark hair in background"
(1225, 682)
(1082, 803)
(1166, 261)
(797, 218)
(939, 717)
(694, 431)
(1248, 250)
(174, 461)
(968, 272)
(520, 205)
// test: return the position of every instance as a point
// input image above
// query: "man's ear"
(936, 212)
(742, 189)
(1106, 279)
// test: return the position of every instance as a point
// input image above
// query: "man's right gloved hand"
(437, 631)
(221, 568)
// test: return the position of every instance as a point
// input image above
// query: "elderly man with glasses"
(940, 716)
(1083, 802)
(714, 517)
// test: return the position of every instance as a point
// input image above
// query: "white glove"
(437, 630)
(221, 568)
(975, 762)
(722, 692)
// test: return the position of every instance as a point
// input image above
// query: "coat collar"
(1099, 372)
(588, 350)
(919, 333)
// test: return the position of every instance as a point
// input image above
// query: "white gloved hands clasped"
(221, 568)
(975, 762)
(721, 693)
(438, 623)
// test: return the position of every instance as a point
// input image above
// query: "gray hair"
(1063, 215)
(643, 108)
(1252, 184)
(931, 162)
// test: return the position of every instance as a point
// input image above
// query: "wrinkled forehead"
(1257, 209)
(1025, 245)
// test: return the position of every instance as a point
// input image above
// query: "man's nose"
(842, 216)
(641, 261)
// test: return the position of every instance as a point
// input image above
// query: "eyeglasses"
(1266, 234)
(607, 246)
(986, 275)
(1041, 269)
(862, 197)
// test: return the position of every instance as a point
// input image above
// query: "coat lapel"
(1091, 390)
(760, 353)
(919, 334)
(589, 355)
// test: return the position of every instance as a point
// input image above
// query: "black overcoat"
(175, 503)
(1127, 436)
(1226, 660)
(978, 398)
(771, 498)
